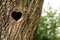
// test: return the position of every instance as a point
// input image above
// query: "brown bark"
(25, 27)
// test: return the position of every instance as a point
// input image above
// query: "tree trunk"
(19, 19)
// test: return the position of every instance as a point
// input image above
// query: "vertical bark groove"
(25, 27)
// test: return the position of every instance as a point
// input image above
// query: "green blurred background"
(49, 25)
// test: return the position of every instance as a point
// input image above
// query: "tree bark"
(25, 27)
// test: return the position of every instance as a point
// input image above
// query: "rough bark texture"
(25, 27)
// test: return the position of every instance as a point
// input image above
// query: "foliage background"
(48, 26)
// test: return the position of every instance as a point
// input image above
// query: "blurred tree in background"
(47, 28)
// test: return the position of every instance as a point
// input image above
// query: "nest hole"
(16, 15)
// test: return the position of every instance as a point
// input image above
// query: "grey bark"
(24, 28)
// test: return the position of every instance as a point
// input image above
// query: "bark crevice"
(25, 28)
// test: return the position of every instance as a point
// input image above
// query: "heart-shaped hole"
(16, 15)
